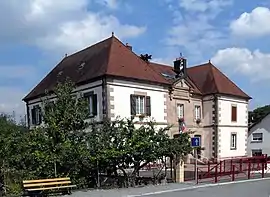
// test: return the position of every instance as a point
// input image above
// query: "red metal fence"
(231, 169)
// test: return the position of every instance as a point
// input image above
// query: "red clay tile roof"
(211, 80)
(111, 57)
(169, 71)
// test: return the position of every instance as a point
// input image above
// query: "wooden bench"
(43, 187)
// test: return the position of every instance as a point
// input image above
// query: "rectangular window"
(197, 112)
(140, 105)
(36, 115)
(256, 152)
(233, 141)
(92, 103)
(257, 137)
(180, 110)
(234, 114)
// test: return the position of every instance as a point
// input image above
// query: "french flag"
(182, 127)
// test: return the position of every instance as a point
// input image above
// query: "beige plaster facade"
(182, 94)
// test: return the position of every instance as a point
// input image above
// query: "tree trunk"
(132, 180)
(126, 181)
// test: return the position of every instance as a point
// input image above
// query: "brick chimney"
(128, 46)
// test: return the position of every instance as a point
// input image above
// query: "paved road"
(260, 188)
(245, 189)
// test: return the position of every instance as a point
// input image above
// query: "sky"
(36, 34)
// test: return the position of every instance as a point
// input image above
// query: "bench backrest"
(43, 183)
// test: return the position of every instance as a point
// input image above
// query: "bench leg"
(67, 191)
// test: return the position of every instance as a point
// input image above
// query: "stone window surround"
(201, 112)
(176, 108)
(233, 148)
(234, 105)
(144, 94)
(111, 98)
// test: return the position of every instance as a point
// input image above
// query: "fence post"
(197, 180)
(240, 165)
(249, 165)
(216, 172)
(208, 169)
(224, 166)
(263, 169)
(220, 168)
(265, 166)
(233, 172)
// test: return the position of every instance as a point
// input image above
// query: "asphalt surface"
(246, 188)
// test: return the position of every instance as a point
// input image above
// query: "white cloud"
(12, 100)
(253, 64)
(253, 24)
(166, 61)
(113, 4)
(16, 72)
(204, 5)
(11, 95)
(193, 28)
(75, 35)
(59, 24)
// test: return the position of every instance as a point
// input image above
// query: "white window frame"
(38, 121)
(37, 115)
(180, 110)
(90, 103)
(197, 112)
(140, 105)
(233, 141)
(256, 150)
(257, 138)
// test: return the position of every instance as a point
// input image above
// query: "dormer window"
(81, 65)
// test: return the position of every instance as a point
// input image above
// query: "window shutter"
(94, 97)
(88, 106)
(39, 115)
(33, 114)
(132, 104)
(148, 106)
(234, 113)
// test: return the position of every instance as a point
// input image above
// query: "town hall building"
(200, 100)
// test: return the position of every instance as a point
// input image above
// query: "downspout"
(216, 125)
(104, 98)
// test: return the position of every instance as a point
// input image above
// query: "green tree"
(65, 128)
(258, 113)
(11, 139)
(122, 145)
